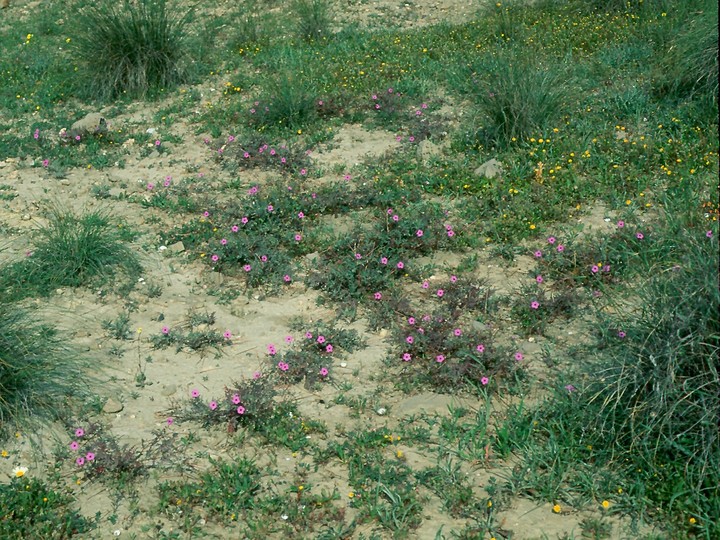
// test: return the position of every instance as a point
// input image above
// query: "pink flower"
(484, 381)
(396, 218)
(244, 220)
(561, 248)
(595, 269)
(400, 265)
(439, 358)
(150, 186)
(263, 258)
(224, 241)
(324, 372)
(358, 256)
(235, 399)
(708, 234)
(519, 356)
(80, 461)
(241, 410)
(157, 143)
(329, 348)
(321, 339)
(639, 236)
(301, 215)
(419, 233)
(215, 258)
(271, 350)
(227, 334)
(453, 279)
(480, 348)
(74, 446)
(409, 340)
(451, 233)
(289, 339)
(195, 393)
(538, 254)
(440, 293)
(247, 267)
(383, 260)
(79, 432)
(457, 332)
(390, 211)
(169, 421)
(411, 138)
(308, 335)
(165, 330)
(411, 320)
(378, 296)
(270, 208)
(406, 357)
(282, 366)
(539, 279)
(234, 228)
(620, 224)
(45, 163)
(570, 388)
(534, 304)
(621, 334)
(206, 214)
(287, 278)
(425, 285)
(213, 405)
(551, 240)
(298, 237)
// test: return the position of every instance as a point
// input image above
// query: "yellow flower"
(351, 495)
(605, 504)
(4, 454)
(19, 472)
(692, 521)
(532, 226)
(556, 508)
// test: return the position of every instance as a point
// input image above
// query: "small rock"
(215, 278)
(490, 169)
(381, 411)
(168, 389)
(90, 123)
(177, 247)
(112, 407)
(65, 182)
(312, 257)
(25, 217)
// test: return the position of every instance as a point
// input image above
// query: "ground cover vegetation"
(561, 302)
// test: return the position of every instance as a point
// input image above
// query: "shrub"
(133, 47)
(71, 251)
(38, 373)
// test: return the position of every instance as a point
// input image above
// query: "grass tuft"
(132, 48)
(71, 251)
(38, 373)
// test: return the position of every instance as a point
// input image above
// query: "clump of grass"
(689, 68)
(38, 372)
(652, 399)
(71, 251)
(518, 96)
(313, 19)
(132, 48)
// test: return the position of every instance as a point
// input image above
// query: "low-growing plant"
(33, 509)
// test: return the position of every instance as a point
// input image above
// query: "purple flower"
(570, 388)
(709, 234)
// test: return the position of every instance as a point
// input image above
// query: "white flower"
(19, 472)
(117, 532)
